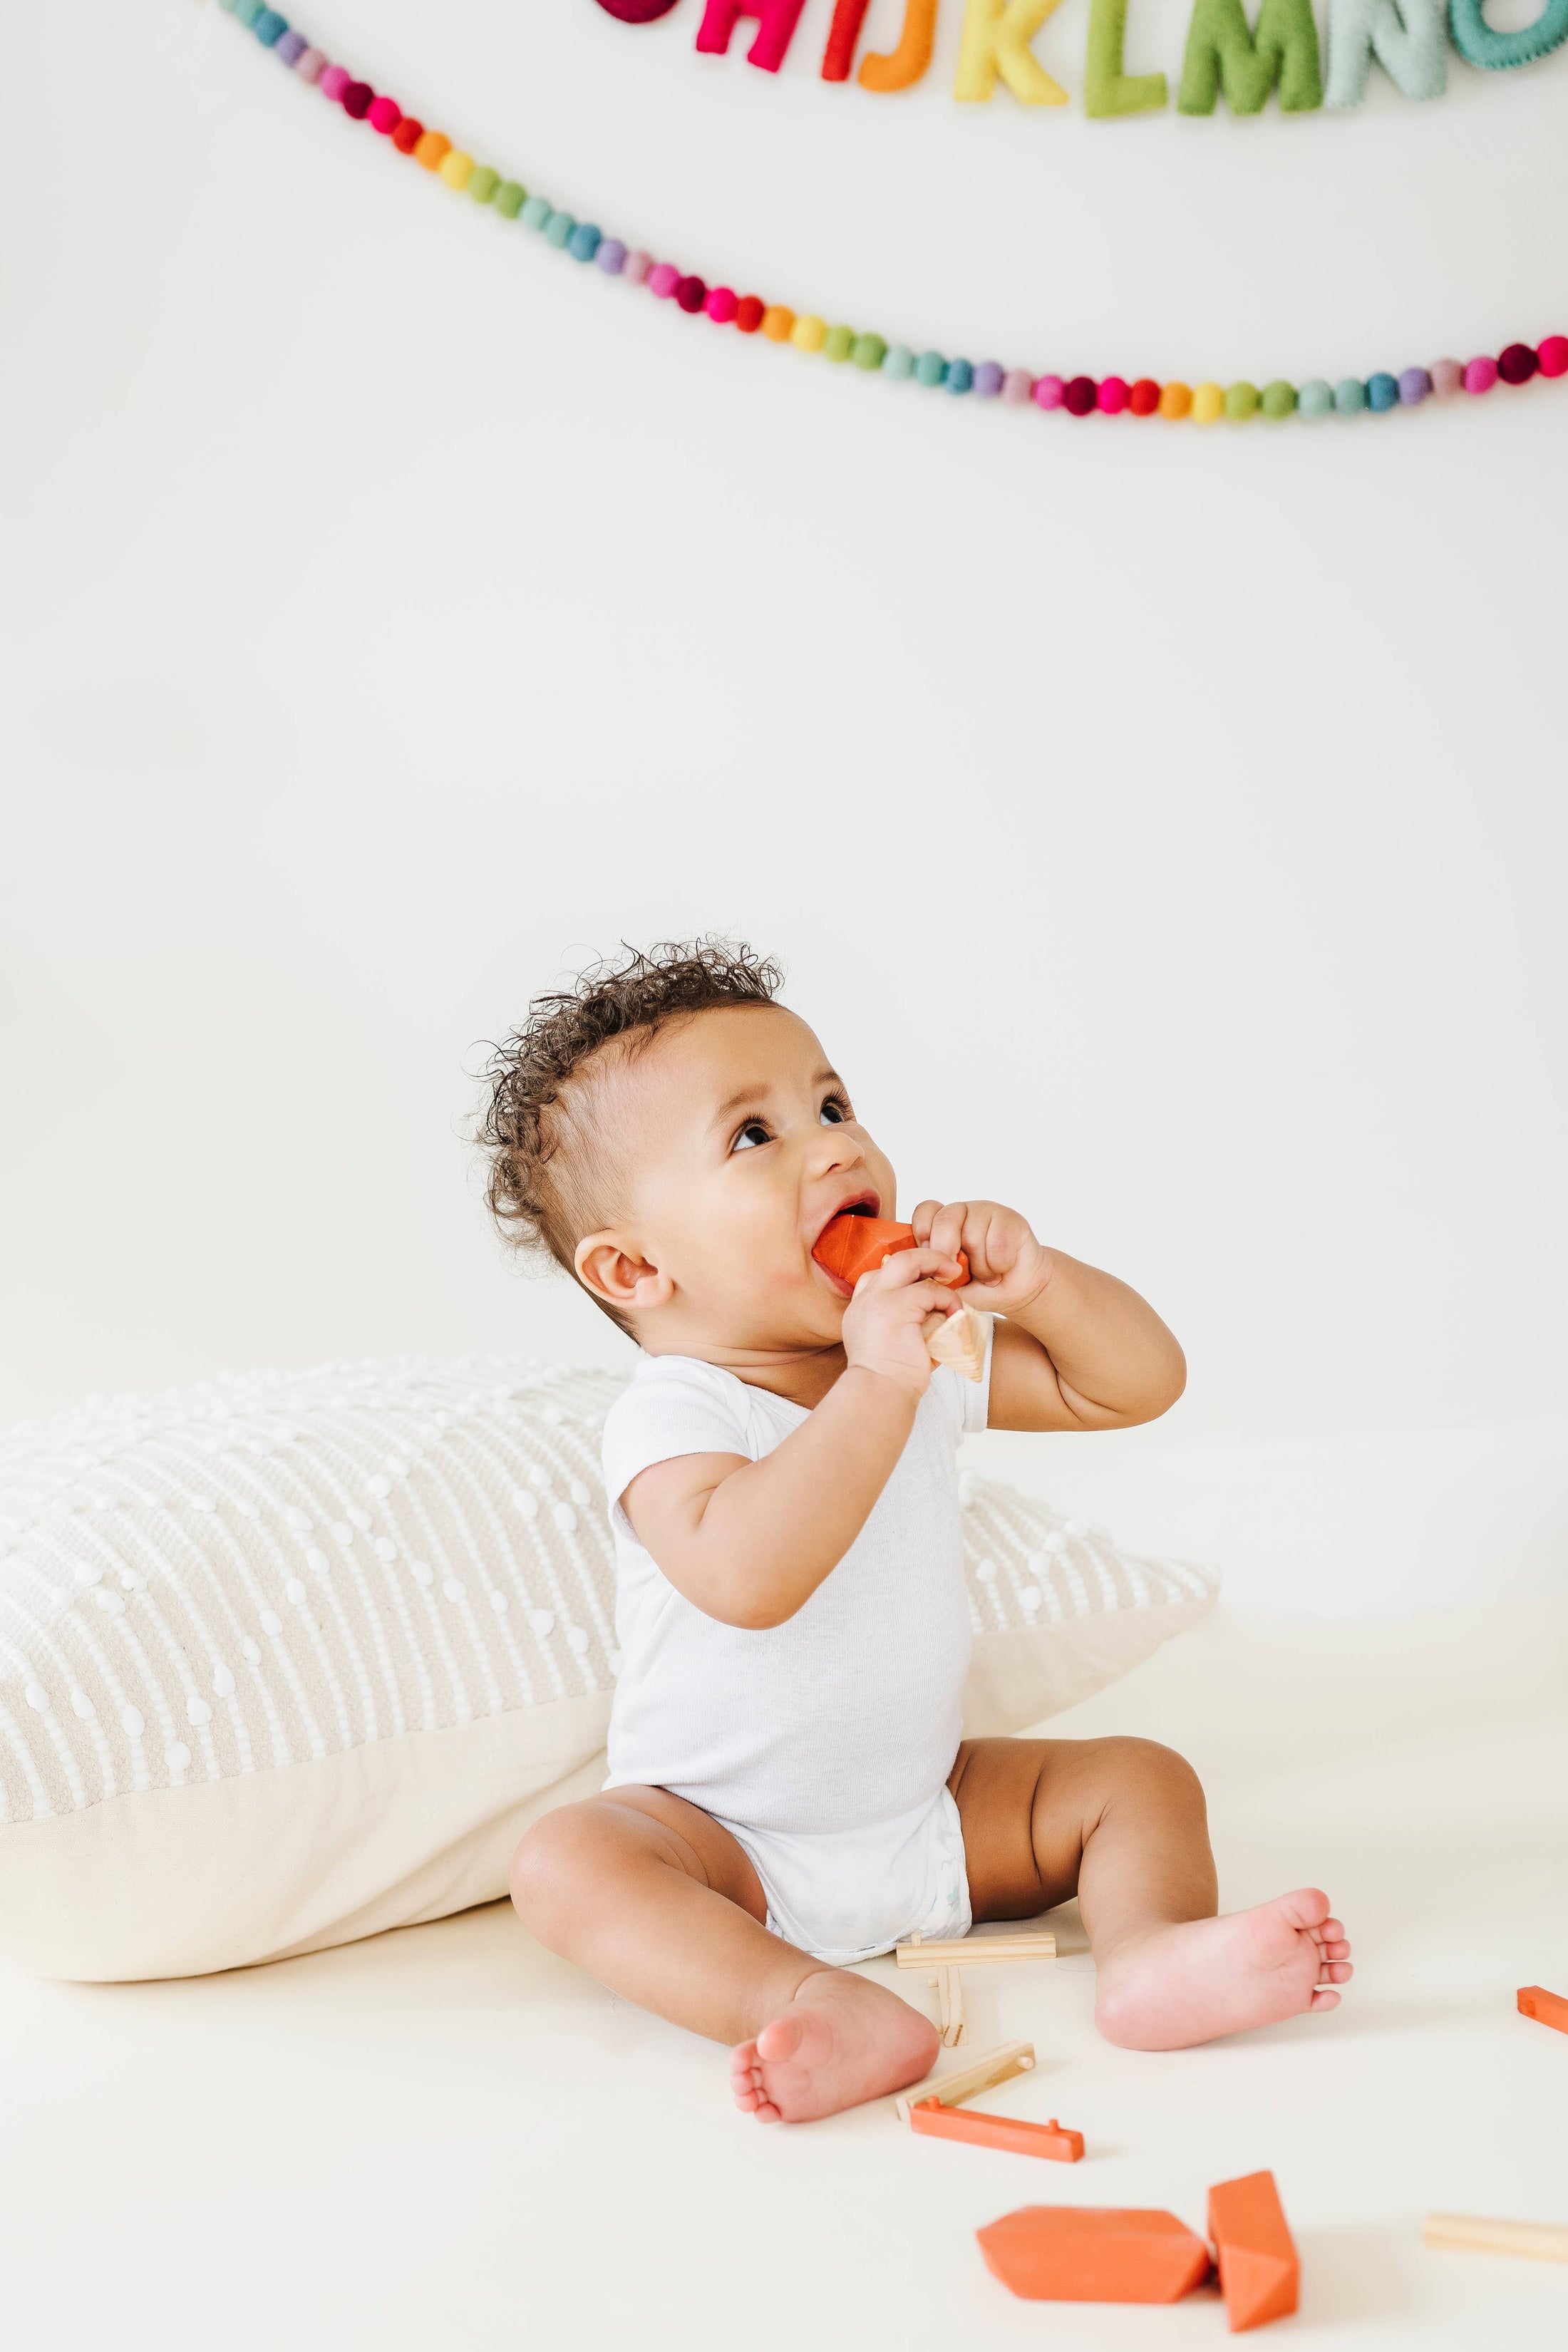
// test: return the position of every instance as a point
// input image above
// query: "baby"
(789, 1790)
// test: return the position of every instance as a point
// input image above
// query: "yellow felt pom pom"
(777, 322)
(1175, 400)
(457, 169)
(808, 333)
(1208, 403)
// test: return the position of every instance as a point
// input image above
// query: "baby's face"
(740, 1142)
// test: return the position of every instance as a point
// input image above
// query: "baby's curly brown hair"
(547, 1160)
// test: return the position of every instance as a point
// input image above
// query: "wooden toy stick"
(1542, 2242)
(1546, 2007)
(970, 1951)
(960, 2082)
(950, 2007)
(956, 1339)
(1010, 2131)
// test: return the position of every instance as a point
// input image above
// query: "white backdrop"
(1165, 829)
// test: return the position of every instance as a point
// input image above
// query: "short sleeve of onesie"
(675, 1405)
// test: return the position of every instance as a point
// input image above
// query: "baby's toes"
(1340, 1951)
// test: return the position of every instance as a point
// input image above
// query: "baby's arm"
(1078, 1350)
(749, 1542)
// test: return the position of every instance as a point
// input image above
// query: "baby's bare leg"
(1122, 1824)
(652, 1896)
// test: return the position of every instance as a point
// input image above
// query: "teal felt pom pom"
(1315, 398)
(1349, 396)
(930, 368)
(899, 361)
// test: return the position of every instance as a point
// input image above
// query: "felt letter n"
(1408, 38)
(1221, 51)
(1107, 90)
(996, 34)
(775, 28)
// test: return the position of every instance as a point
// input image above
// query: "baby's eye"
(833, 1114)
(751, 1135)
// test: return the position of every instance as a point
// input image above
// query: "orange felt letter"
(1094, 2253)
(1259, 2275)
(907, 62)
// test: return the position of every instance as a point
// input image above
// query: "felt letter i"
(838, 57)
(996, 34)
(1108, 91)
(776, 29)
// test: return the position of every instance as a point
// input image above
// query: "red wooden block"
(851, 1246)
(1546, 2007)
(1089, 2253)
(1011, 2132)
(1259, 2273)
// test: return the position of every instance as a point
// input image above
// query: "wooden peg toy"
(1546, 2007)
(1541, 2241)
(1259, 2272)
(851, 1245)
(972, 1951)
(993, 2066)
(1009, 2132)
(1087, 2253)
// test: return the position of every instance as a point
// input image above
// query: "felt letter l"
(996, 34)
(1108, 91)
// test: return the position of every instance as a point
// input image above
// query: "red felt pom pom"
(1144, 399)
(1517, 365)
(1080, 396)
(356, 99)
(407, 135)
(691, 294)
(749, 313)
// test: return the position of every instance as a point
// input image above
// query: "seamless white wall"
(1165, 830)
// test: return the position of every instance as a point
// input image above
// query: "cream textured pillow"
(294, 1658)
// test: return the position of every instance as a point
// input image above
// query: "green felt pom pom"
(1241, 402)
(1279, 398)
(837, 343)
(869, 351)
(483, 183)
(1315, 398)
(509, 199)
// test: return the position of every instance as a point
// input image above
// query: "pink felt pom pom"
(1049, 391)
(1552, 355)
(1113, 395)
(663, 278)
(1481, 375)
(1016, 386)
(721, 305)
(1447, 378)
(384, 116)
(334, 83)
(635, 267)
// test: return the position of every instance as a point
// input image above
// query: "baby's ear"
(611, 1267)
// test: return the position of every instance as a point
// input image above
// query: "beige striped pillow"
(293, 1657)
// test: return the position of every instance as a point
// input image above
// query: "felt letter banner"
(1408, 38)
(905, 64)
(996, 34)
(775, 28)
(1496, 52)
(1107, 90)
(1221, 51)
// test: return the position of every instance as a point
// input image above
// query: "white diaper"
(847, 1895)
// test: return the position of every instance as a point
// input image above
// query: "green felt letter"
(1106, 89)
(1222, 52)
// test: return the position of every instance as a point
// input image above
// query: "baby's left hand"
(1008, 1269)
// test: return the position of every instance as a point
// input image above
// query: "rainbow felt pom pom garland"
(1079, 395)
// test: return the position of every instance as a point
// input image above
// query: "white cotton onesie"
(824, 1744)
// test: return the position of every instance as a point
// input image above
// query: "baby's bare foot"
(1178, 1985)
(840, 2040)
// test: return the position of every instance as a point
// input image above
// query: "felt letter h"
(777, 21)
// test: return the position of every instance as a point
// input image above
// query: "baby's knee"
(548, 1866)
(1145, 1764)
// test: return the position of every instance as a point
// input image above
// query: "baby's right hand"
(883, 1323)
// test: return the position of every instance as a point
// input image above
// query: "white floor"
(446, 2137)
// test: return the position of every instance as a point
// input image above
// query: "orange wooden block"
(1259, 2272)
(1094, 2253)
(1546, 2007)
(1011, 2132)
(851, 1246)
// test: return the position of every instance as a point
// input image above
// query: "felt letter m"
(777, 21)
(1220, 50)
